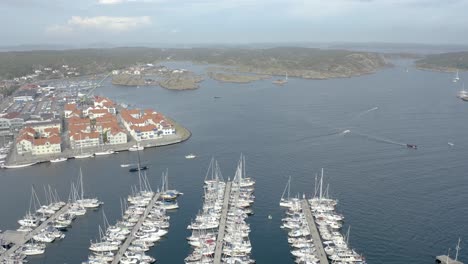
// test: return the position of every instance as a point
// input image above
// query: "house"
(47, 145)
(84, 140)
(147, 124)
(30, 140)
(96, 112)
(71, 110)
(116, 135)
(41, 126)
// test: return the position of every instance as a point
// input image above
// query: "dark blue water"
(404, 206)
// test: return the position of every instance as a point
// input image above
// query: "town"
(56, 120)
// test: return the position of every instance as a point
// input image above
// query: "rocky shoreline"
(236, 78)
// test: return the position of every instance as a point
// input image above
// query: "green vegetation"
(299, 62)
(445, 61)
(128, 80)
(235, 78)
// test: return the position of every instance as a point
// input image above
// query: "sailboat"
(287, 202)
(456, 78)
(281, 81)
(138, 167)
(167, 194)
(83, 155)
(85, 202)
(463, 94)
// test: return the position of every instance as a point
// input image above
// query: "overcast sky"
(81, 22)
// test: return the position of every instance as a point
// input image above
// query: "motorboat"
(17, 166)
(411, 146)
(136, 169)
(136, 148)
(103, 153)
(190, 156)
(58, 160)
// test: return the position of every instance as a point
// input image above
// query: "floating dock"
(126, 244)
(20, 241)
(222, 224)
(314, 232)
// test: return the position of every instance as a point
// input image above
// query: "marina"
(46, 224)
(314, 228)
(144, 222)
(220, 233)
(222, 225)
(314, 232)
(396, 178)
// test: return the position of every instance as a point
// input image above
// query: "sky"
(127, 22)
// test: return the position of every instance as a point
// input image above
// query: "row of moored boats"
(234, 239)
(328, 223)
(46, 223)
(144, 222)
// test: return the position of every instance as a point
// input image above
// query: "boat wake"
(365, 112)
(380, 139)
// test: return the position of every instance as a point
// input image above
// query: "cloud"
(101, 23)
(110, 2)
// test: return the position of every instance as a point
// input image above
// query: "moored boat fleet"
(44, 224)
(220, 233)
(328, 223)
(144, 222)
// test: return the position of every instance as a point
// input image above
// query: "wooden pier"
(131, 236)
(29, 235)
(314, 232)
(222, 224)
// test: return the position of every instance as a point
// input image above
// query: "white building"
(116, 136)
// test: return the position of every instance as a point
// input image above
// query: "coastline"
(182, 135)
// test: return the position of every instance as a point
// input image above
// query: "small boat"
(190, 156)
(126, 165)
(103, 153)
(136, 148)
(58, 160)
(451, 144)
(281, 81)
(83, 156)
(270, 217)
(17, 166)
(217, 97)
(411, 146)
(135, 169)
(456, 78)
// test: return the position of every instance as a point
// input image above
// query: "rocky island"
(181, 81)
(447, 62)
(125, 79)
(235, 78)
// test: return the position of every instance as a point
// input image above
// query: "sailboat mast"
(457, 248)
(81, 184)
(321, 183)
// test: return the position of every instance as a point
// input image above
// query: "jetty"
(222, 224)
(314, 232)
(126, 244)
(19, 239)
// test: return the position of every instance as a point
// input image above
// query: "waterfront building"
(85, 140)
(116, 135)
(38, 142)
(147, 124)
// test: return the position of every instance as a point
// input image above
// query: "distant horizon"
(371, 46)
